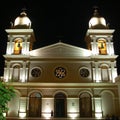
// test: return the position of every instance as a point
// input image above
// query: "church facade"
(61, 80)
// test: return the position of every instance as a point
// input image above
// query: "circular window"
(36, 72)
(84, 72)
(60, 72)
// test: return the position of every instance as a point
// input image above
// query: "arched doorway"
(107, 103)
(60, 107)
(85, 105)
(35, 105)
(13, 106)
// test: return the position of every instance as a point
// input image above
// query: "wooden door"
(35, 105)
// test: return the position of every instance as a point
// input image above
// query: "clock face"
(60, 72)
(84, 72)
(36, 72)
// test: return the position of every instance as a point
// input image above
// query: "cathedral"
(61, 80)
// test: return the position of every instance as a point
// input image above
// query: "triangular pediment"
(60, 50)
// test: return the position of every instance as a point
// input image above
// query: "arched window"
(104, 73)
(102, 47)
(16, 73)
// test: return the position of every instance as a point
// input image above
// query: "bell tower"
(99, 39)
(20, 42)
(20, 36)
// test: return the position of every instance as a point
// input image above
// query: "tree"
(6, 94)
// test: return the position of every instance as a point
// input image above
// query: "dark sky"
(54, 20)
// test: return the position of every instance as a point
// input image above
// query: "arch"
(108, 91)
(60, 91)
(14, 105)
(35, 104)
(108, 105)
(18, 92)
(86, 91)
(102, 38)
(60, 105)
(16, 64)
(85, 104)
(104, 64)
(18, 45)
(60, 95)
(34, 91)
(102, 46)
(105, 77)
(16, 73)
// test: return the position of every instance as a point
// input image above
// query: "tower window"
(102, 47)
(18, 46)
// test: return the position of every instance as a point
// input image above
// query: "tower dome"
(97, 22)
(22, 21)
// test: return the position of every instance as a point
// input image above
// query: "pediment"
(59, 50)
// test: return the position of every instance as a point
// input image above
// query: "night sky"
(54, 20)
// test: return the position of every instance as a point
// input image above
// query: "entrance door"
(35, 105)
(85, 105)
(60, 105)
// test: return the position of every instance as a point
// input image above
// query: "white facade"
(62, 80)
